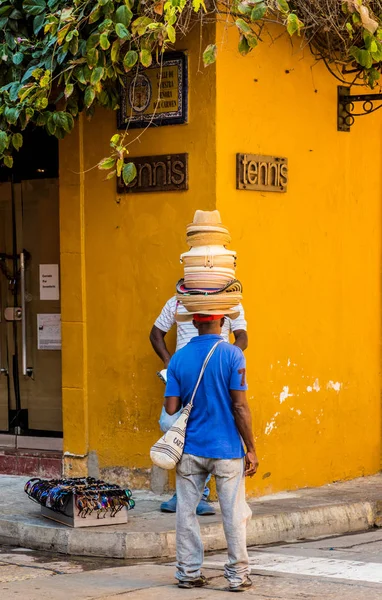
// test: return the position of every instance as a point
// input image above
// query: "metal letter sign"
(262, 173)
(157, 95)
(163, 173)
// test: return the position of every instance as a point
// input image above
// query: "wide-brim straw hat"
(204, 263)
(200, 304)
(231, 287)
(207, 280)
(209, 250)
(204, 228)
(208, 238)
(232, 313)
(202, 270)
(209, 256)
(209, 273)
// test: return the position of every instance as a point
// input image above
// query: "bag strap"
(206, 361)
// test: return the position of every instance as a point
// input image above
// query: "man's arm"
(241, 339)
(161, 326)
(158, 343)
(238, 327)
(172, 404)
(243, 420)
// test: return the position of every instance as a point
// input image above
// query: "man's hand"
(251, 464)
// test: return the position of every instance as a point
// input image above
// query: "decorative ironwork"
(346, 106)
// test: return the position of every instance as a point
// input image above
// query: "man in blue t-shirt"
(219, 423)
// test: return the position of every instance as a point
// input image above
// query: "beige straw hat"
(206, 218)
(208, 262)
(209, 286)
(200, 304)
(209, 250)
(208, 238)
(209, 256)
(207, 229)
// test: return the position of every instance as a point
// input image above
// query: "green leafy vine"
(59, 58)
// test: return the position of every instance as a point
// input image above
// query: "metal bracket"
(346, 106)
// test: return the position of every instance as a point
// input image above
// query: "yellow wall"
(308, 259)
(132, 248)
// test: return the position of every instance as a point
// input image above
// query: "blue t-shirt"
(211, 429)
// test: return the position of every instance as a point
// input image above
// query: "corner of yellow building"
(309, 260)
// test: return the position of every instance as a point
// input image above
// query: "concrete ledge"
(330, 510)
(262, 529)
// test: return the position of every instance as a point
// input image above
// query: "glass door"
(30, 331)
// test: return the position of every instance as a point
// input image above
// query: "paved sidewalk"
(332, 509)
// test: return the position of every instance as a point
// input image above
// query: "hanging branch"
(59, 58)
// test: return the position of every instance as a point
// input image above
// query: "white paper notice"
(49, 332)
(49, 283)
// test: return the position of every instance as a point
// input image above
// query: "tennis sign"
(261, 173)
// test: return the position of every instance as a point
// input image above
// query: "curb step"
(316, 521)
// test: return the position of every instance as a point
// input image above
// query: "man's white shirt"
(186, 331)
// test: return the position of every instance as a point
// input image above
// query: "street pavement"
(333, 509)
(337, 568)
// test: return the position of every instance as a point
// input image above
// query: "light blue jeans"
(166, 421)
(230, 486)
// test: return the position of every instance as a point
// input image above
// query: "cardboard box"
(70, 516)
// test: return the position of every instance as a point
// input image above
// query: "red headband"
(205, 318)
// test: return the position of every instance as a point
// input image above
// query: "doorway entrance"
(30, 329)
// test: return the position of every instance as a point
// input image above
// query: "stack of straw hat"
(209, 285)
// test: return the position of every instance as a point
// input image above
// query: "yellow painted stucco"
(309, 261)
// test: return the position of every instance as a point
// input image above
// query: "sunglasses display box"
(71, 518)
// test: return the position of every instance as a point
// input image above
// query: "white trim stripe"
(312, 566)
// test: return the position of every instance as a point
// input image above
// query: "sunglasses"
(90, 495)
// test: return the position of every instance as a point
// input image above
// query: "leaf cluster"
(346, 35)
(62, 57)
(59, 58)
